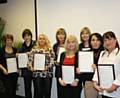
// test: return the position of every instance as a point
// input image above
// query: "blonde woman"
(42, 79)
(69, 58)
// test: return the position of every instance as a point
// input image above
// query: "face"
(85, 36)
(95, 42)
(27, 38)
(41, 40)
(110, 43)
(71, 45)
(9, 42)
(61, 37)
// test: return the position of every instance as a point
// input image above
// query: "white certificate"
(39, 61)
(22, 60)
(68, 74)
(61, 49)
(106, 75)
(85, 60)
(11, 65)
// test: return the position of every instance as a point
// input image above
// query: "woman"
(96, 45)
(84, 37)
(27, 45)
(111, 55)
(84, 46)
(9, 79)
(60, 38)
(70, 58)
(42, 79)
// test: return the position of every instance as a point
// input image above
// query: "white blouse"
(112, 58)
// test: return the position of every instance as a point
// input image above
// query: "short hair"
(84, 29)
(26, 31)
(7, 36)
(61, 31)
(72, 38)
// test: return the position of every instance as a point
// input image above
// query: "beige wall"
(19, 14)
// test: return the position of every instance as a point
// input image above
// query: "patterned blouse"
(49, 63)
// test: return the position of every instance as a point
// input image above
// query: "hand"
(31, 68)
(97, 87)
(62, 82)
(78, 70)
(94, 66)
(112, 88)
(5, 72)
(74, 83)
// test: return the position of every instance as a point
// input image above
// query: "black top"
(3, 57)
(96, 53)
(24, 49)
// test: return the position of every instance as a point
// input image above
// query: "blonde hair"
(72, 38)
(47, 42)
(84, 29)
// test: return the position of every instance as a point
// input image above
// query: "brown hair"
(7, 36)
(61, 31)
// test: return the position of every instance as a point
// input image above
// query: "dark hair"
(27, 31)
(61, 31)
(7, 36)
(108, 35)
(99, 37)
(83, 30)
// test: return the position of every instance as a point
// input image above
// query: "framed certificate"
(61, 49)
(11, 65)
(68, 74)
(22, 60)
(39, 61)
(85, 60)
(106, 74)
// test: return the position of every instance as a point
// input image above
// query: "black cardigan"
(2, 56)
(61, 63)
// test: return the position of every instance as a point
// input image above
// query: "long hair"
(61, 31)
(108, 35)
(85, 29)
(47, 42)
(72, 38)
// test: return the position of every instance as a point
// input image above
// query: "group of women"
(105, 51)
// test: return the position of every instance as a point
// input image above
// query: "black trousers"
(42, 87)
(28, 86)
(71, 92)
(58, 88)
(10, 83)
(106, 96)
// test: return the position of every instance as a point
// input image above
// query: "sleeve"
(117, 81)
(59, 72)
(95, 76)
(76, 65)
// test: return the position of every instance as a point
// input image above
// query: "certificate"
(22, 60)
(61, 49)
(106, 75)
(68, 74)
(39, 61)
(85, 61)
(11, 65)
